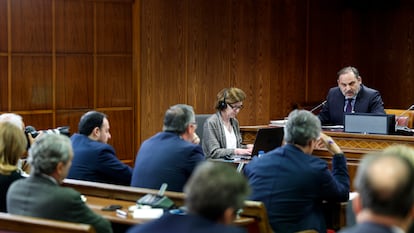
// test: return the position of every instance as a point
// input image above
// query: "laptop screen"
(268, 139)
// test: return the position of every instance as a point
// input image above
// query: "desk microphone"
(320, 105)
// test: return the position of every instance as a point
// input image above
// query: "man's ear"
(228, 216)
(357, 204)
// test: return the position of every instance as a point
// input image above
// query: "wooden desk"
(97, 203)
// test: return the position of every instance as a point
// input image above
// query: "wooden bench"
(253, 209)
(11, 223)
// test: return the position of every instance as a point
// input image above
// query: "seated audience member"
(214, 194)
(385, 200)
(169, 156)
(17, 120)
(349, 96)
(95, 160)
(292, 183)
(400, 150)
(12, 146)
(221, 132)
(41, 195)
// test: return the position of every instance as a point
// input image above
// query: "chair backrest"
(398, 112)
(257, 210)
(200, 119)
(24, 224)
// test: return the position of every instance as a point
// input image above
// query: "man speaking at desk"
(349, 96)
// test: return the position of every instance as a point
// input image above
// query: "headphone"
(222, 103)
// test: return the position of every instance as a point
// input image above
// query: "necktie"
(348, 106)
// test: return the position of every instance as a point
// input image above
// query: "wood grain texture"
(3, 26)
(114, 27)
(74, 26)
(74, 82)
(31, 28)
(4, 90)
(31, 87)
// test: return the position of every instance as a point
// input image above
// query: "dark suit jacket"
(170, 223)
(368, 227)
(292, 186)
(39, 196)
(96, 161)
(165, 158)
(5, 182)
(367, 101)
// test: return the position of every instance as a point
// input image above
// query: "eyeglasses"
(240, 107)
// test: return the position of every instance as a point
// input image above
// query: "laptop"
(267, 139)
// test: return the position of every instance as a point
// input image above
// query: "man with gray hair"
(169, 156)
(214, 194)
(41, 195)
(292, 183)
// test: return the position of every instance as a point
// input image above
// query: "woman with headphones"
(221, 133)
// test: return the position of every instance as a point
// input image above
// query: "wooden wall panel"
(69, 118)
(122, 134)
(41, 120)
(4, 90)
(74, 82)
(329, 38)
(114, 28)
(31, 29)
(114, 82)
(250, 57)
(208, 52)
(288, 56)
(74, 26)
(163, 62)
(31, 86)
(3, 26)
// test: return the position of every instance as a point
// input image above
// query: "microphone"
(320, 105)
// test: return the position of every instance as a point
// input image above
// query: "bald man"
(385, 183)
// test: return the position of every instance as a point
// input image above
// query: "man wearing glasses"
(221, 134)
(169, 156)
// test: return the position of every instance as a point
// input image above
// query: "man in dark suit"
(292, 183)
(41, 195)
(169, 156)
(214, 194)
(349, 96)
(95, 160)
(385, 186)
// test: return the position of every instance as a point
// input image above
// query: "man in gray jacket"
(41, 195)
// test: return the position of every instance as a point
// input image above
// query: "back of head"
(385, 183)
(90, 121)
(177, 118)
(229, 96)
(13, 144)
(12, 118)
(214, 187)
(47, 151)
(302, 127)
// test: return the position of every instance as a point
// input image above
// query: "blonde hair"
(13, 144)
(403, 150)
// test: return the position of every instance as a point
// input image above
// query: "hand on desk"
(240, 151)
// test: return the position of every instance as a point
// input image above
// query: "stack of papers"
(148, 213)
(279, 123)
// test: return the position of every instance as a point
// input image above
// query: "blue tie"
(349, 106)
